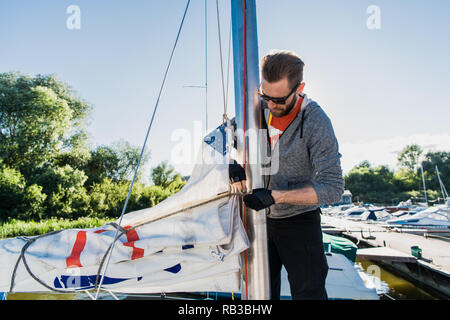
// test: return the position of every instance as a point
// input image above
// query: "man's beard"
(286, 111)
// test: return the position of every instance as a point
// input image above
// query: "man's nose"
(271, 104)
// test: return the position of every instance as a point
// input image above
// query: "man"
(308, 175)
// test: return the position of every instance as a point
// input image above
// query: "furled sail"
(189, 242)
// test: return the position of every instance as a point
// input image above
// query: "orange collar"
(289, 117)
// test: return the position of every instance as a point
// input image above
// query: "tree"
(163, 175)
(372, 184)
(406, 180)
(441, 159)
(409, 157)
(66, 195)
(364, 164)
(18, 200)
(128, 160)
(39, 117)
(117, 162)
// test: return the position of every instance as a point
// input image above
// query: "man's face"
(279, 89)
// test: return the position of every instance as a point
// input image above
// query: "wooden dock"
(433, 269)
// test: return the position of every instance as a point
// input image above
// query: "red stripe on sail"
(74, 259)
(133, 236)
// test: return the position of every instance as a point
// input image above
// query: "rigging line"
(228, 63)
(206, 67)
(225, 116)
(145, 142)
(245, 140)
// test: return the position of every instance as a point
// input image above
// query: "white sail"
(189, 242)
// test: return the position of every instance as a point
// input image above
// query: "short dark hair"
(282, 63)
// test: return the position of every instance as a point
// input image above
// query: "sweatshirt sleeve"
(327, 179)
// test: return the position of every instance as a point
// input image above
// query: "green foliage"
(14, 227)
(16, 199)
(406, 179)
(108, 197)
(163, 175)
(33, 203)
(117, 163)
(76, 158)
(372, 184)
(47, 167)
(152, 195)
(441, 160)
(381, 185)
(67, 196)
(39, 117)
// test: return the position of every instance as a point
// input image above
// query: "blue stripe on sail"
(88, 282)
(83, 282)
(175, 269)
(188, 246)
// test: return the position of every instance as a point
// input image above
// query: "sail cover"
(189, 242)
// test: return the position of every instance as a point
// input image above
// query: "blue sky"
(382, 88)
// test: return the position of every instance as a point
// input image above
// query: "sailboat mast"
(441, 184)
(255, 269)
(424, 187)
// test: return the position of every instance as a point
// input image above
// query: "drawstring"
(301, 124)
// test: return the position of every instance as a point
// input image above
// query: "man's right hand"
(259, 199)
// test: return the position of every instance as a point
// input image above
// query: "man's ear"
(301, 87)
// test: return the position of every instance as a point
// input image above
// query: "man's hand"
(259, 199)
(237, 177)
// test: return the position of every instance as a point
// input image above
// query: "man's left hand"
(237, 177)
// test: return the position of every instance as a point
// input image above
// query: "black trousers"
(296, 243)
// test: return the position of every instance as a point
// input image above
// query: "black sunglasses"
(277, 100)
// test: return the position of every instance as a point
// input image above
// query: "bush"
(66, 195)
(34, 203)
(108, 198)
(12, 184)
(152, 195)
(17, 201)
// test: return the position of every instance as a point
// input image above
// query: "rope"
(225, 114)
(195, 205)
(146, 137)
(206, 66)
(228, 63)
(30, 241)
(21, 257)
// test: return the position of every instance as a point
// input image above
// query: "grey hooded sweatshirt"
(306, 154)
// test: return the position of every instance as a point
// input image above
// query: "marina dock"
(393, 247)
(385, 254)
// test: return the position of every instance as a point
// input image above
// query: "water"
(102, 296)
(54, 296)
(40, 296)
(399, 288)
